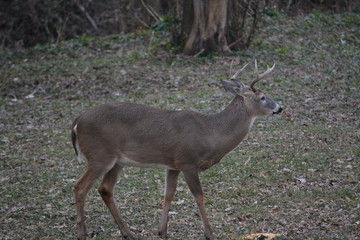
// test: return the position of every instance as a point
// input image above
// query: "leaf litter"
(254, 189)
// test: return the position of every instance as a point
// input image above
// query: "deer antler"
(260, 76)
(237, 73)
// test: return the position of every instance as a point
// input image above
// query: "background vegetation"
(296, 175)
(30, 22)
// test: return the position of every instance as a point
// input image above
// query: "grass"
(296, 175)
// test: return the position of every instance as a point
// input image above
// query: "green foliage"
(166, 23)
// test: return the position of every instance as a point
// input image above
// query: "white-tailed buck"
(115, 135)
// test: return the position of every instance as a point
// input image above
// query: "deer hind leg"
(193, 181)
(81, 188)
(170, 189)
(106, 190)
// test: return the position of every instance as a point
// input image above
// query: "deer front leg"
(193, 181)
(170, 189)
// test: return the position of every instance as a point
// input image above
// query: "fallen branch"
(151, 40)
(152, 12)
(200, 52)
(82, 9)
(235, 42)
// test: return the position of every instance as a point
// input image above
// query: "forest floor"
(296, 174)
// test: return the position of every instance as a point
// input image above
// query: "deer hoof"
(209, 236)
(162, 234)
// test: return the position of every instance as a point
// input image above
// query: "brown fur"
(114, 135)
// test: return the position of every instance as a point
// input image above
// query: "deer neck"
(231, 125)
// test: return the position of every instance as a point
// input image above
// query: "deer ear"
(233, 87)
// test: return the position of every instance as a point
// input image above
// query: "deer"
(114, 135)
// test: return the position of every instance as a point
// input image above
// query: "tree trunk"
(207, 32)
(242, 20)
(215, 29)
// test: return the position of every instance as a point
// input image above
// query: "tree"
(218, 25)
(208, 28)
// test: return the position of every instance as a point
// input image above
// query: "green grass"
(255, 188)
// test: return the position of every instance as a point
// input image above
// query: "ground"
(296, 174)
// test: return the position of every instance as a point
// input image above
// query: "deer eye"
(262, 98)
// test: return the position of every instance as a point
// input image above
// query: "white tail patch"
(80, 156)
(75, 129)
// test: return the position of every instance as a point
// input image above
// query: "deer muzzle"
(278, 110)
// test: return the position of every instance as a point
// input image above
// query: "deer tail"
(76, 143)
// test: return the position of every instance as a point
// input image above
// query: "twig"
(247, 161)
(155, 13)
(151, 40)
(92, 22)
(231, 66)
(235, 42)
(200, 52)
(151, 11)
(141, 21)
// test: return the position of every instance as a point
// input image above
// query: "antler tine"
(256, 68)
(260, 76)
(268, 70)
(231, 66)
(239, 71)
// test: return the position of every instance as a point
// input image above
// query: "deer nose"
(278, 111)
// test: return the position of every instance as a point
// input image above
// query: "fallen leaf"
(229, 209)
(301, 180)
(30, 96)
(259, 236)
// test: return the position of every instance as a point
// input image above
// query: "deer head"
(254, 99)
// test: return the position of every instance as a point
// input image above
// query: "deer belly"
(130, 162)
